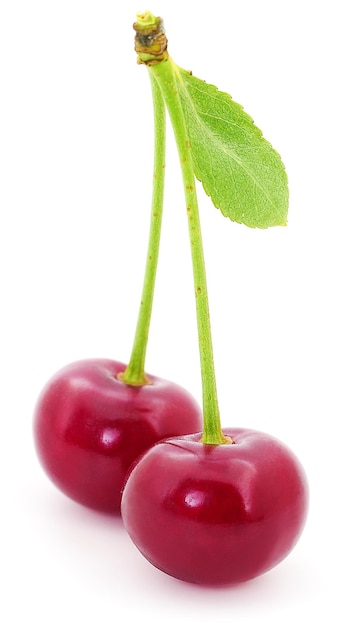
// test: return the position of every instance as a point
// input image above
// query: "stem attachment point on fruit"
(225, 439)
(129, 381)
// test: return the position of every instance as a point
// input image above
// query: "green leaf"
(239, 169)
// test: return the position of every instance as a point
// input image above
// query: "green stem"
(135, 371)
(164, 72)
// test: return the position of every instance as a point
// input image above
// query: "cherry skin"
(89, 427)
(216, 514)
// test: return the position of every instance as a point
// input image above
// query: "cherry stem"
(165, 73)
(135, 371)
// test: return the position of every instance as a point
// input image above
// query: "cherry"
(216, 514)
(89, 427)
(95, 417)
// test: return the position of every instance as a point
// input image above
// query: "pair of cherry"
(203, 513)
(204, 505)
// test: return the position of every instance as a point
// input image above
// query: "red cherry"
(89, 427)
(216, 514)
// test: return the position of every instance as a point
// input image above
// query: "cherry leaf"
(239, 169)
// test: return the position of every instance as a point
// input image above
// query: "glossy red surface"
(89, 427)
(216, 514)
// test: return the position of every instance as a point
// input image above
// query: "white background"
(76, 169)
